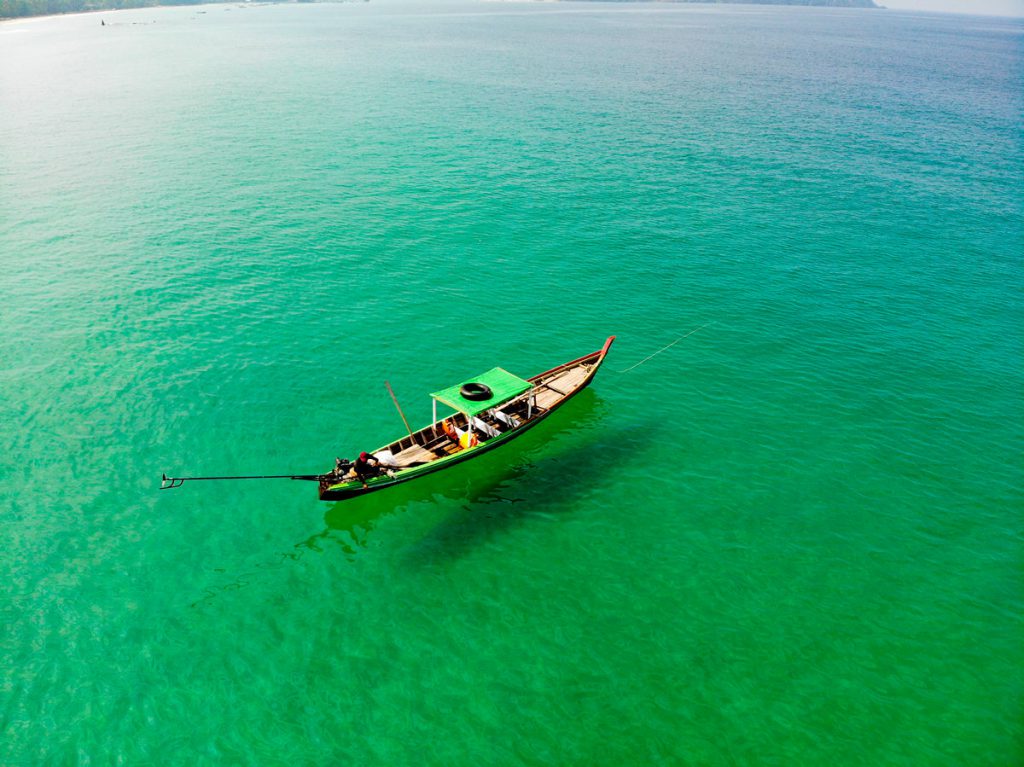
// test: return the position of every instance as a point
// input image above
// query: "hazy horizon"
(984, 7)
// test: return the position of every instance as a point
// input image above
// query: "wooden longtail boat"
(489, 410)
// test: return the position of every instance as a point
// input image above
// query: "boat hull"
(569, 371)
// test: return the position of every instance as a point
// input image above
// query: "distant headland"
(819, 3)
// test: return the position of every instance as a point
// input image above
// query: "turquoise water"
(795, 537)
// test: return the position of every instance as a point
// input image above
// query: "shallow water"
(795, 537)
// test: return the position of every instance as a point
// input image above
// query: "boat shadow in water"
(498, 487)
(542, 489)
(542, 483)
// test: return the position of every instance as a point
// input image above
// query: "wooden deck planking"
(562, 385)
(546, 398)
(414, 454)
(569, 380)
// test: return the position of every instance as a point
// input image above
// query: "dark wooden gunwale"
(327, 494)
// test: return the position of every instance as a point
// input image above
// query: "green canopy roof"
(504, 386)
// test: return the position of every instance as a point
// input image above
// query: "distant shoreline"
(34, 9)
(6, 16)
(92, 10)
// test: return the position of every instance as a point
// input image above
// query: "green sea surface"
(796, 537)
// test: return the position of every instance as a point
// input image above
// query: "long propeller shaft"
(168, 483)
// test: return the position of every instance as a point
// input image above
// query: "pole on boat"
(395, 400)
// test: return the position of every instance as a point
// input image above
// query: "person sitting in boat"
(342, 466)
(463, 439)
(366, 466)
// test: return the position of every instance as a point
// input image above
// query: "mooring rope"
(641, 362)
